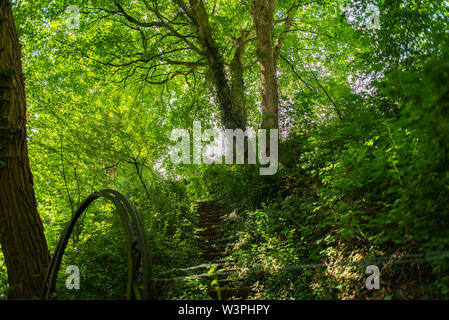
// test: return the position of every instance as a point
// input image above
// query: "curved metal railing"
(139, 284)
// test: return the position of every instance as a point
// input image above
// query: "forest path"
(211, 215)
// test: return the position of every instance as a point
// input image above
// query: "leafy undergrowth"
(373, 186)
(3, 278)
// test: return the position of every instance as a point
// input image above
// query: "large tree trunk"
(21, 230)
(237, 80)
(263, 16)
(233, 113)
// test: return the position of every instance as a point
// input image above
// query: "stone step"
(212, 255)
(210, 213)
(209, 223)
(213, 244)
(210, 239)
(216, 219)
(206, 231)
(207, 243)
(223, 240)
(213, 251)
(211, 217)
(209, 226)
(209, 233)
(209, 208)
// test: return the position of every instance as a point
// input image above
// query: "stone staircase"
(211, 215)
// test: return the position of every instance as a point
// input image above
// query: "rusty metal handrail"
(139, 286)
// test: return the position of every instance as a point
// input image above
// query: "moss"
(5, 134)
(5, 3)
(6, 74)
(11, 133)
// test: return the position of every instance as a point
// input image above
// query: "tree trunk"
(21, 230)
(263, 16)
(233, 116)
(237, 80)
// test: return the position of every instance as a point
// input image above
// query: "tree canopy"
(357, 89)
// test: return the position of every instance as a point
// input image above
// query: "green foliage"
(188, 289)
(240, 186)
(374, 183)
(3, 278)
